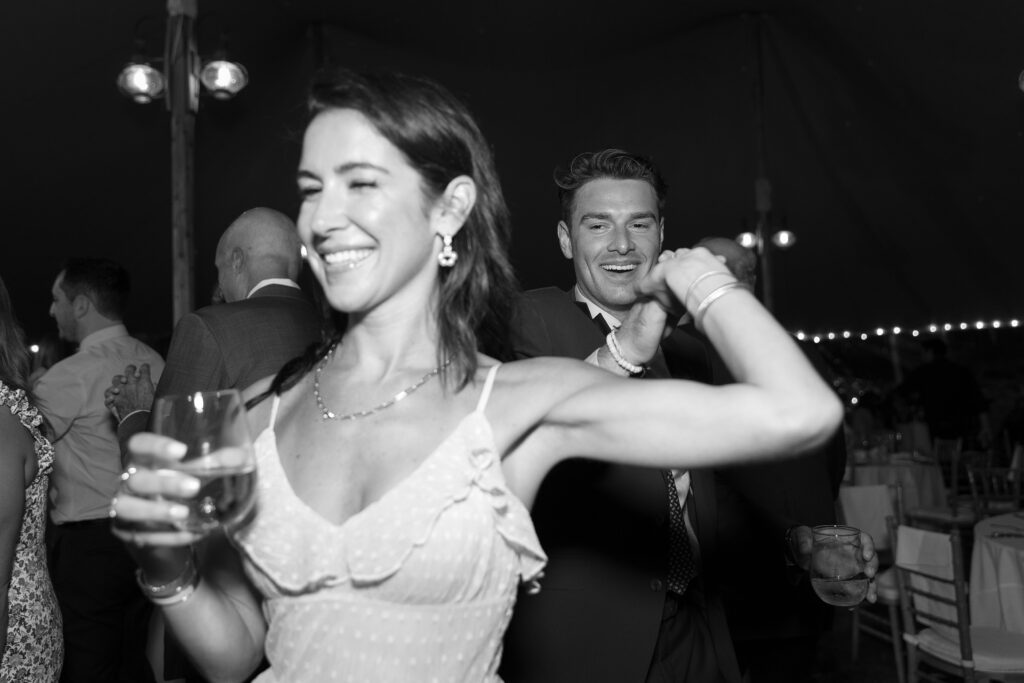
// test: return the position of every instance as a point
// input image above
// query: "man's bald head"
(260, 244)
(742, 262)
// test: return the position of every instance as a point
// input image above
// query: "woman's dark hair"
(15, 361)
(439, 139)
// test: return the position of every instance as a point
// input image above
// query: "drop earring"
(447, 257)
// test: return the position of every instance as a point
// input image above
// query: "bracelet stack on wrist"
(613, 348)
(703, 297)
(174, 591)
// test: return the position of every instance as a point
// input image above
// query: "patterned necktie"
(681, 567)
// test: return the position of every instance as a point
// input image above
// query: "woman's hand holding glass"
(195, 474)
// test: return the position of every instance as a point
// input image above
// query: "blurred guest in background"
(953, 404)
(94, 577)
(31, 641)
(265, 320)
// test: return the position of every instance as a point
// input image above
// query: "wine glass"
(213, 427)
(837, 565)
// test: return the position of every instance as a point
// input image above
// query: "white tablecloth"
(997, 574)
(922, 481)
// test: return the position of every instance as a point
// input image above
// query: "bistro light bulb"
(784, 239)
(747, 239)
(223, 78)
(141, 82)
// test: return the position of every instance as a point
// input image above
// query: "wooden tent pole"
(762, 186)
(182, 64)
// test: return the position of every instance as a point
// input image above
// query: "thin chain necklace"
(327, 414)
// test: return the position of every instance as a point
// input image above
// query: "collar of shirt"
(100, 336)
(283, 281)
(613, 322)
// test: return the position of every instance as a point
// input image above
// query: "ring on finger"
(112, 512)
(127, 474)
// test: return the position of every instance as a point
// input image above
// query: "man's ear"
(453, 207)
(237, 260)
(661, 233)
(80, 305)
(565, 239)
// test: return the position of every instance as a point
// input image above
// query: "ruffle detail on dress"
(31, 419)
(286, 538)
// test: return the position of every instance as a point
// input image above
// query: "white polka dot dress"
(418, 586)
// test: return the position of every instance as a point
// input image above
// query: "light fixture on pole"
(142, 82)
(180, 80)
(764, 235)
(139, 80)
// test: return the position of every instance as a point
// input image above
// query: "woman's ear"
(453, 207)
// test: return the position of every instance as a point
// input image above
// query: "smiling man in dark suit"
(620, 600)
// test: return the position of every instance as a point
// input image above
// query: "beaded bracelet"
(174, 591)
(712, 297)
(613, 348)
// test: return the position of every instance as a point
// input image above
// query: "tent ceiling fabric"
(894, 135)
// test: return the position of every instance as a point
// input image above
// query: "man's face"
(63, 312)
(613, 241)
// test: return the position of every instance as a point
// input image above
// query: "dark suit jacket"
(605, 530)
(230, 346)
(756, 505)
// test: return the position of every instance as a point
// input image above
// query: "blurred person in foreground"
(391, 521)
(93, 575)
(31, 642)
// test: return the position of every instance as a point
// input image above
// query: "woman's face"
(364, 219)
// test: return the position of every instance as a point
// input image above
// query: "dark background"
(894, 137)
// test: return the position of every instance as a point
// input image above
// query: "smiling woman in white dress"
(396, 461)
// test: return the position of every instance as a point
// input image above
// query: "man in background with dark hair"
(104, 613)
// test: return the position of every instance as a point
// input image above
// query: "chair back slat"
(930, 577)
(996, 490)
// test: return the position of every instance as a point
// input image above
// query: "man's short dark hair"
(608, 163)
(104, 282)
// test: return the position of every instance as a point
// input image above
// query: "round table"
(921, 479)
(997, 573)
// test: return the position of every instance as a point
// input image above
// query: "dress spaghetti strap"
(273, 411)
(488, 383)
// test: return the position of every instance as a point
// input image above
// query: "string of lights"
(934, 328)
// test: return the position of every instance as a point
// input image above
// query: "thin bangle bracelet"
(715, 295)
(700, 278)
